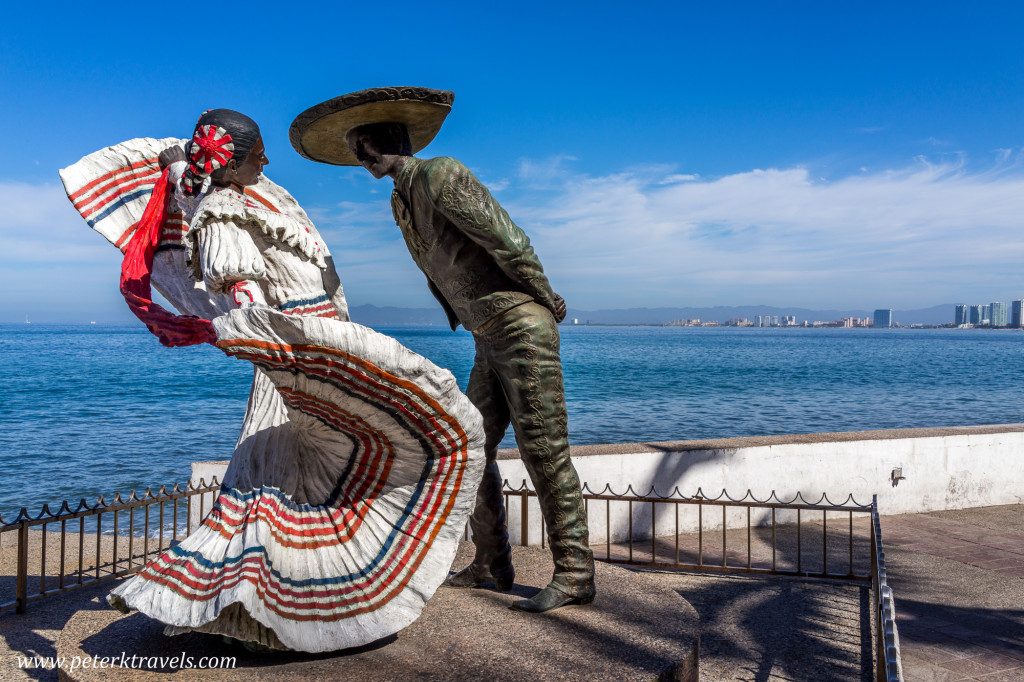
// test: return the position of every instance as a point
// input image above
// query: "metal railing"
(781, 527)
(888, 666)
(782, 534)
(138, 541)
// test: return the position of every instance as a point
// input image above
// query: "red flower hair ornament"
(211, 148)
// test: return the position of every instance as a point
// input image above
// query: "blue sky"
(658, 154)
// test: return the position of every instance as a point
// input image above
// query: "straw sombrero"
(318, 133)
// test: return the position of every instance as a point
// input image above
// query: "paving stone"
(753, 627)
(636, 629)
(997, 661)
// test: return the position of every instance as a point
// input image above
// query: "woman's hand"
(171, 155)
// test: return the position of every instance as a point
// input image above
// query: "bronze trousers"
(517, 378)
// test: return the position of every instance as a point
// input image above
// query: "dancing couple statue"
(359, 461)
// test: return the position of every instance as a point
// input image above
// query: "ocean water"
(97, 409)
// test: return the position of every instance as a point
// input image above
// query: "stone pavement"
(959, 600)
(958, 581)
(957, 576)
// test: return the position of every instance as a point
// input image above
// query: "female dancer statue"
(358, 461)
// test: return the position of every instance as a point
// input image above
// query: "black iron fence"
(74, 548)
(796, 537)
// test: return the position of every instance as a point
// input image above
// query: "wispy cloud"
(925, 233)
(38, 225)
(914, 236)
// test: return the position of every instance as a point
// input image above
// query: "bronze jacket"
(478, 263)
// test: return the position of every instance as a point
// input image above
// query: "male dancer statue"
(485, 275)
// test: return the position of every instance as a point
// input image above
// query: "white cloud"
(38, 225)
(678, 177)
(908, 237)
(914, 236)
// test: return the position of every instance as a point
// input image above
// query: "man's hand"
(558, 309)
(171, 155)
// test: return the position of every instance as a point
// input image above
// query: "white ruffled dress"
(358, 462)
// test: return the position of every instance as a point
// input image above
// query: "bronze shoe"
(551, 598)
(474, 576)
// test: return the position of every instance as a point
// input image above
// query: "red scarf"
(171, 329)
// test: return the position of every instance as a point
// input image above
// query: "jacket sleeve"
(469, 206)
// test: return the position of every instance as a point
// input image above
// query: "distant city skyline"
(994, 314)
(684, 155)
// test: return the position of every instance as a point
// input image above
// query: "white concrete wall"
(205, 472)
(948, 468)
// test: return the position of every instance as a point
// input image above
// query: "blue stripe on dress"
(118, 204)
(304, 302)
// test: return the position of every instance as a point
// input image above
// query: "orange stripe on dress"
(367, 367)
(249, 192)
(122, 241)
(138, 164)
(121, 190)
(116, 183)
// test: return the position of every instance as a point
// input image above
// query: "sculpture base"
(634, 630)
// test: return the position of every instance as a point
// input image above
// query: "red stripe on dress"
(177, 576)
(359, 482)
(221, 576)
(384, 378)
(357, 488)
(121, 190)
(310, 310)
(138, 164)
(121, 242)
(101, 195)
(461, 446)
(173, 573)
(459, 456)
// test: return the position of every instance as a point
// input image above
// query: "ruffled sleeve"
(227, 255)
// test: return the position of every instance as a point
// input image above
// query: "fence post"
(22, 584)
(524, 518)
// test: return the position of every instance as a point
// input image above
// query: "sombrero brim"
(319, 133)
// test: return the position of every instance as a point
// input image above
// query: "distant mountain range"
(372, 315)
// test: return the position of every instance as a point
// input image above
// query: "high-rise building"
(775, 320)
(883, 318)
(961, 316)
(976, 315)
(997, 316)
(986, 315)
(1017, 314)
